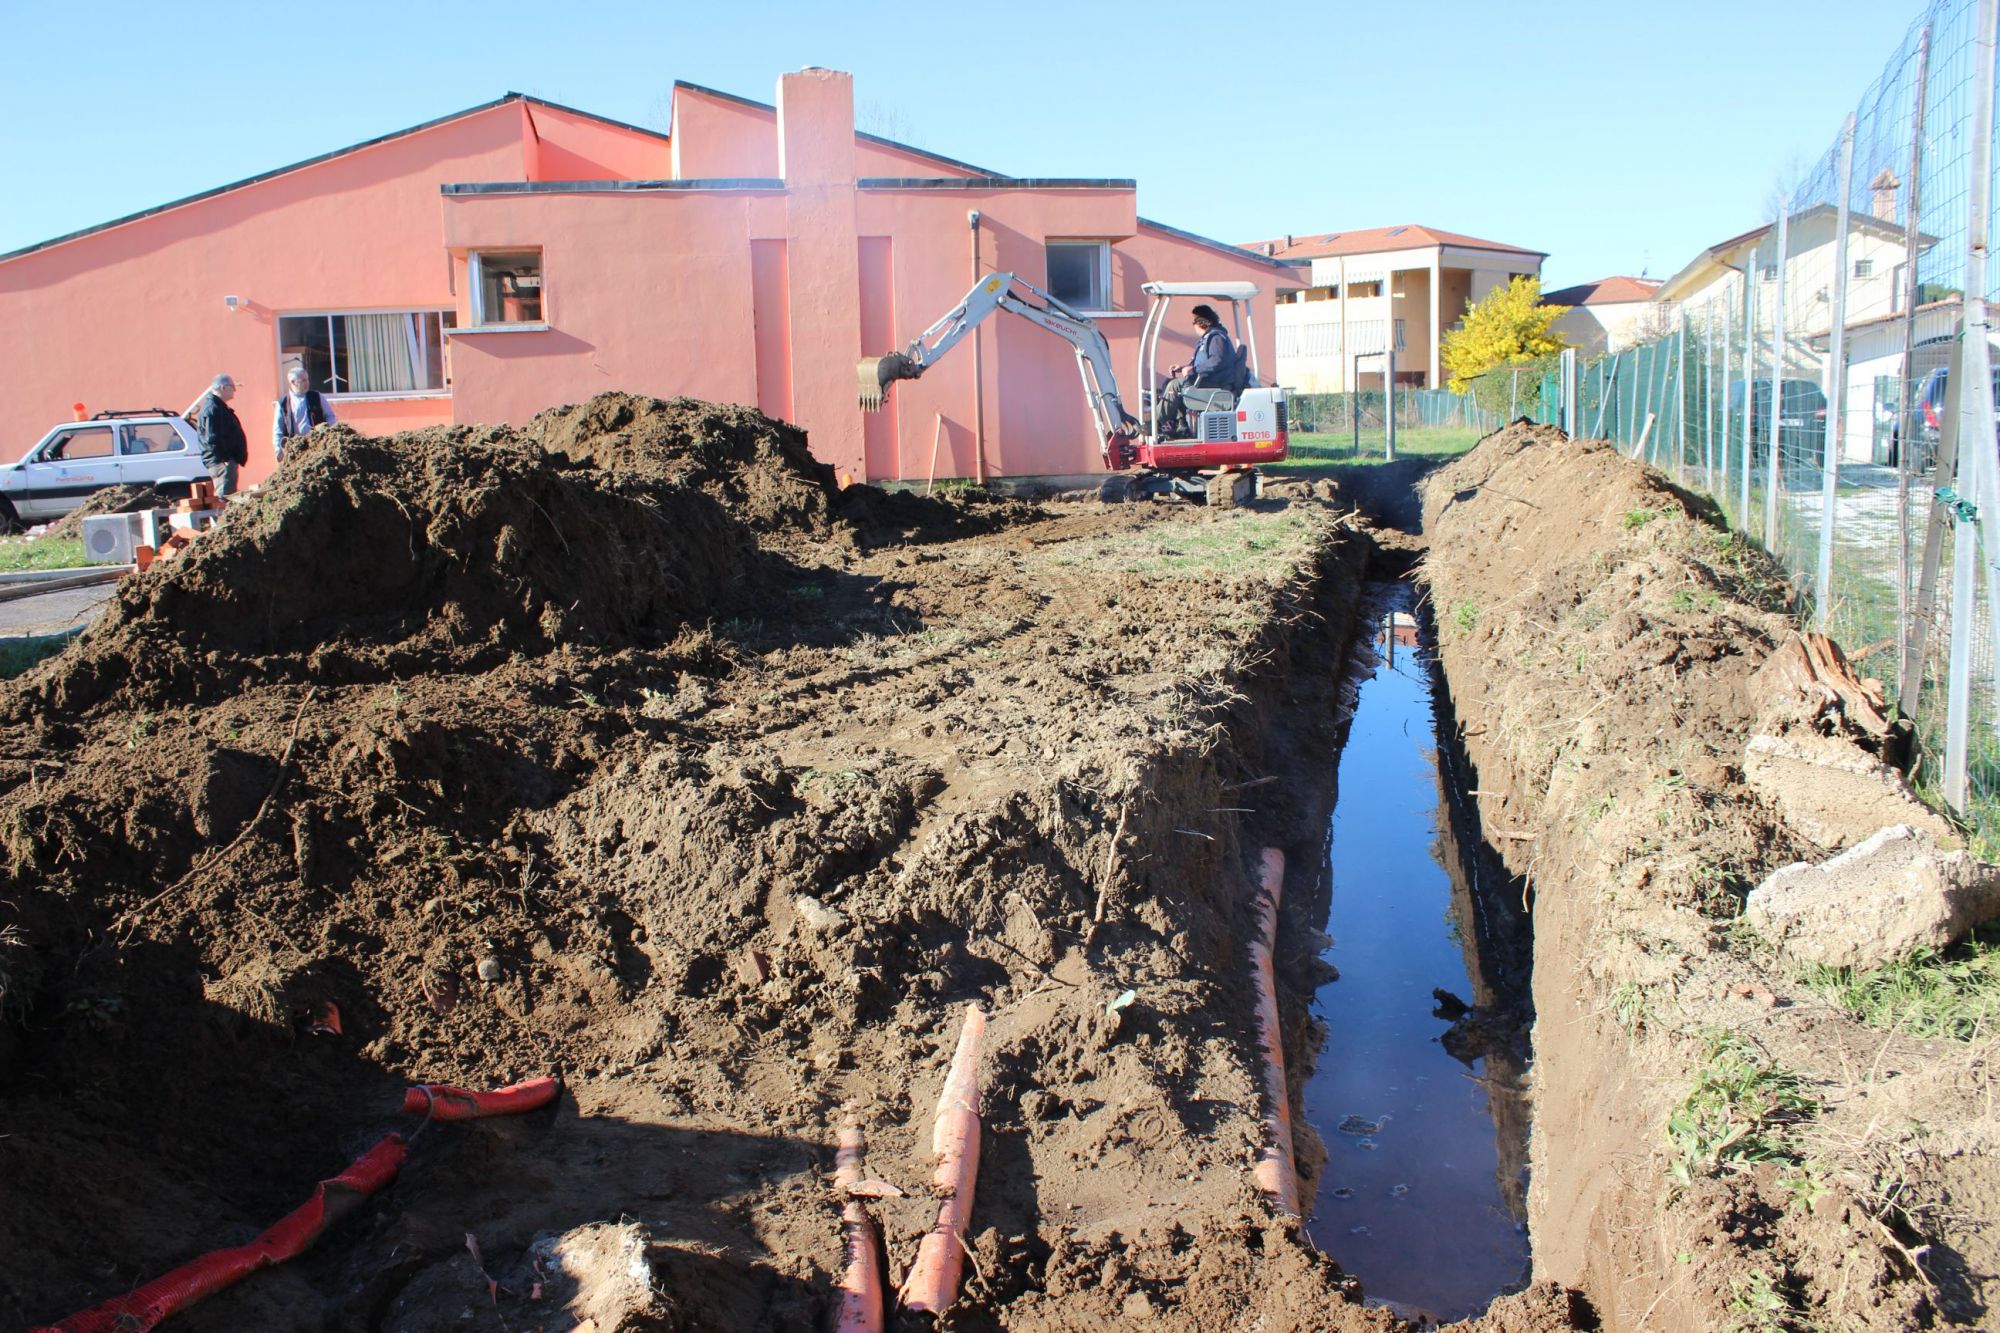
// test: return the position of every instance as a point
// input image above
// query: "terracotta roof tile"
(1326, 245)
(1605, 291)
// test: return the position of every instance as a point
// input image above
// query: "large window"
(506, 286)
(1080, 274)
(401, 352)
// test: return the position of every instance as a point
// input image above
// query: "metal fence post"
(1976, 431)
(1722, 407)
(1780, 345)
(1749, 383)
(1835, 387)
(1912, 620)
(1389, 397)
(1680, 398)
(1568, 376)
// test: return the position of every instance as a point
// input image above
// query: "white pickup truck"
(155, 448)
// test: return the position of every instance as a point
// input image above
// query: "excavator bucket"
(876, 373)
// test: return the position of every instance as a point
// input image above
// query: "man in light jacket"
(302, 408)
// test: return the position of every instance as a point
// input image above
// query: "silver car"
(156, 448)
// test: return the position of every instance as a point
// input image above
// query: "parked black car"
(1801, 427)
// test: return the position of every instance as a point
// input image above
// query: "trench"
(1418, 1090)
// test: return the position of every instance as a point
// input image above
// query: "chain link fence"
(1362, 417)
(1809, 381)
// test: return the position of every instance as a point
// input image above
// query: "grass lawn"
(26, 553)
(18, 654)
(1312, 452)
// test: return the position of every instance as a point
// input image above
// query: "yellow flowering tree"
(1507, 326)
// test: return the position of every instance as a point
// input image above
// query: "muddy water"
(1422, 1195)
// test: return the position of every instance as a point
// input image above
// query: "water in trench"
(1424, 1120)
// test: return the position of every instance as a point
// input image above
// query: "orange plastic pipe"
(167, 1295)
(861, 1280)
(445, 1102)
(1276, 1172)
(933, 1281)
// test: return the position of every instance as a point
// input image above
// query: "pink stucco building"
(517, 255)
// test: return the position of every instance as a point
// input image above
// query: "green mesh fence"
(1799, 375)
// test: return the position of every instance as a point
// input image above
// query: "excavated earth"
(625, 747)
(1601, 634)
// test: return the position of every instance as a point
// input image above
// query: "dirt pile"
(111, 500)
(451, 549)
(1600, 630)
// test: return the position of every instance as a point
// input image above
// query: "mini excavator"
(1230, 430)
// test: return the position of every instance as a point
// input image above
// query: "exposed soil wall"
(1598, 631)
(625, 747)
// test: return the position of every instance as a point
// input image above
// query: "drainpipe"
(978, 369)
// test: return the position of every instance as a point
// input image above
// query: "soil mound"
(609, 523)
(1601, 629)
(759, 469)
(110, 500)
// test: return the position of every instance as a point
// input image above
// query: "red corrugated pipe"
(334, 1199)
(1275, 1173)
(163, 1296)
(444, 1102)
(861, 1278)
(932, 1284)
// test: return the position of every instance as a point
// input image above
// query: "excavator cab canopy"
(1241, 327)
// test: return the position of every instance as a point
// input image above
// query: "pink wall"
(649, 292)
(570, 147)
(762, 296)
(769, 297)
(133, 316)
(717, 136)
(725, 136)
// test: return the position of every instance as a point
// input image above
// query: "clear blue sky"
(1616, 137)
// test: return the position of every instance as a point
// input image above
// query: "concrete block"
(1832, 792)
(1896, 891)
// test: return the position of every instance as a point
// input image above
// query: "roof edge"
(532, 100)
(1234, 251)
(994, 183)
(690, 185)
(756, 105)
(276, 172)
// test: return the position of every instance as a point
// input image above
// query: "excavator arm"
(997, 291)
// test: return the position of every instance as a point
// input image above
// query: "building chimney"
(1884, 188)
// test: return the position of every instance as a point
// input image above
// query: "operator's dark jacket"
(222, 439)
(1214, 358)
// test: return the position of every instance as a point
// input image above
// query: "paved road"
(54, 612)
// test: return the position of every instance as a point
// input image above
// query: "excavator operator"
(1208, 368)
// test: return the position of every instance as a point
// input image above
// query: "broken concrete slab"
(1832, 792)
(1897, 891)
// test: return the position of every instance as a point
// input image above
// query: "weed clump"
(1740, 1111)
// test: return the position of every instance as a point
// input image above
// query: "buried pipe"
(332, 1200)
(439, 1101)
(933, 1281)
(1275, 1172)
(144, 1309)
(861, 1279)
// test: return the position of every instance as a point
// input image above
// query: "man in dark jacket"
(223, 446)
(1209, 368)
